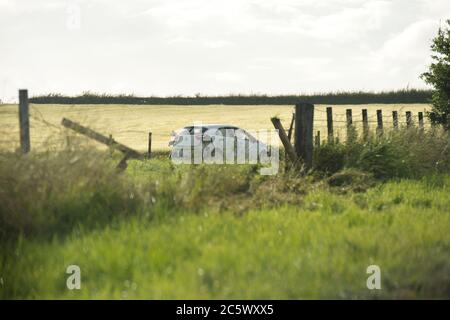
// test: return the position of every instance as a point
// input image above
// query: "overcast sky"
(167, 47)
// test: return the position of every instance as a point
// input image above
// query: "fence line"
(363, 117)
(304, 126)
(306, 139)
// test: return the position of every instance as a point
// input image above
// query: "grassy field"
(160, 230)
(290, 253)
(130, 124)
(317, 243)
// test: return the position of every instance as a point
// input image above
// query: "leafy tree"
(438, 76)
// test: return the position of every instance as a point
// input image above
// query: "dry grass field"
(130, 124)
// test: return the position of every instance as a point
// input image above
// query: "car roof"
(211, 126)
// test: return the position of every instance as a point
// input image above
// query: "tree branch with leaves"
(438, 76)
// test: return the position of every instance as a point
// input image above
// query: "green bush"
(330, 158)
(406, 153)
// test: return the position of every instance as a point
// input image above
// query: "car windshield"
(249, 135)
(191, 129)
(225, 130)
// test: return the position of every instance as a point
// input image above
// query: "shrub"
(330, 158)
(408, 153)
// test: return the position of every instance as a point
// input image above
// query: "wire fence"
(338, 122)
(367, 118)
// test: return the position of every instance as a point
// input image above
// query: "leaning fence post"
(365, 121)
(379, 122)
(408, 119)
(149, 154)
(395, 119)
(330, 124)
(24, 121)
(130, 153)
(304, 117)
(420, 117)
(290, 152)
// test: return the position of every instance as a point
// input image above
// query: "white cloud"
(404, 55)
(213, 47)
(217, 44)
(225, 76)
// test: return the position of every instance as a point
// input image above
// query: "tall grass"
(406, 153)
(42, 195)
(48, 194)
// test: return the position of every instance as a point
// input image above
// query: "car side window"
(241, 134)
(225, 132)
(229, 132)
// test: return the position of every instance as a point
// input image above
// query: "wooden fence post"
(304, 117)
(149, 154)
(291, 127)
(330, 124)
(317, 142)
(349, 118)
(432, 117)
(379, 122)
(395, 119)
(129, 153)
(290, 152)
(365, 121)
(408, 119)
(420, 116)
(24, 121)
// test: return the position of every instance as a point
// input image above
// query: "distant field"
(130, 124)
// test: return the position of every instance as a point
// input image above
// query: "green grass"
(207, 231)
(320, 249)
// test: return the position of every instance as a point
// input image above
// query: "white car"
(217, 137)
